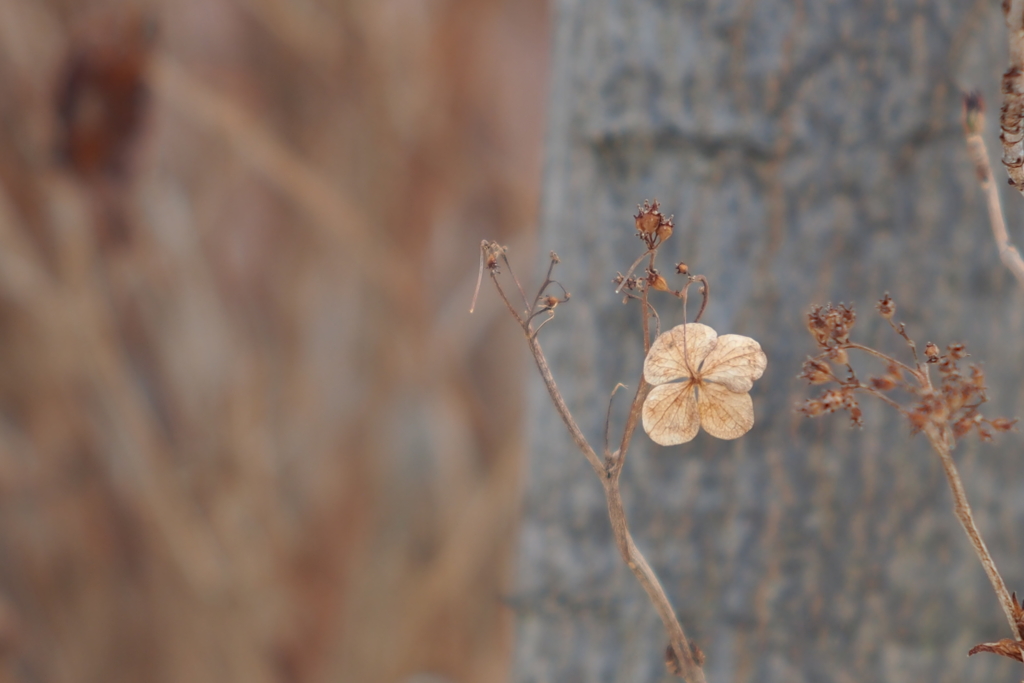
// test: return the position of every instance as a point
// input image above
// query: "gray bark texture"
(811, 152)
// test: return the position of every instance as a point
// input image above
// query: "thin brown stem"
(631, 422)
(886, 358)
(608, 458)
(645, 324)
(642, 388)
(941, 443)
(705, 291)
(508, 264)
(480, 273)
(684, 652)
(508, 304)
(882, 397)
(563, 410)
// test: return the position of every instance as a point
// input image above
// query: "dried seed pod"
(931, 352)
(1003, 424)
(887, 307)
(816, 371)
(840, 357)
(649, 218)
(883, 383)
(817, 326)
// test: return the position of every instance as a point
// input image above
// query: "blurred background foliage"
(247, 430)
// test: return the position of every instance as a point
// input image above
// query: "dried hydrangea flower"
(700, 380)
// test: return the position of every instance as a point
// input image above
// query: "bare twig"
(705, 291)
(941, 442)
(561, 407)
(681, 646)
(642, 388)
(687, 658)
(608, 421)
(974, 125)
(887, 359)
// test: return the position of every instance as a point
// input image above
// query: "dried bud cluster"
(951, 407)
(831, 401)
(653, 280)
(830, 325)
(887, 307)
(652, 226)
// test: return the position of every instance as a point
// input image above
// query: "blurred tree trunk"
(810, 152)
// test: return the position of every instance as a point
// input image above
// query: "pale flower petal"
(670, 414)
(678, 353)
(735, 362)
(724, 414)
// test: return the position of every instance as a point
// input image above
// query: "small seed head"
(832, 400)
(1003, 424)
(816, 371)
(931, 352)
(649, 218)
(957, 351)
(887, 307)
(856, 415)
(812, 408)
(883, 383)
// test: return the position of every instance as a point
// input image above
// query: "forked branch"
(683, 658)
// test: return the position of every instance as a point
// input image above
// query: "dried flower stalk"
(683, 658)
(944, 412)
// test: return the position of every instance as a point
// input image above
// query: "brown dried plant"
(716, 373)
(944, 410)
